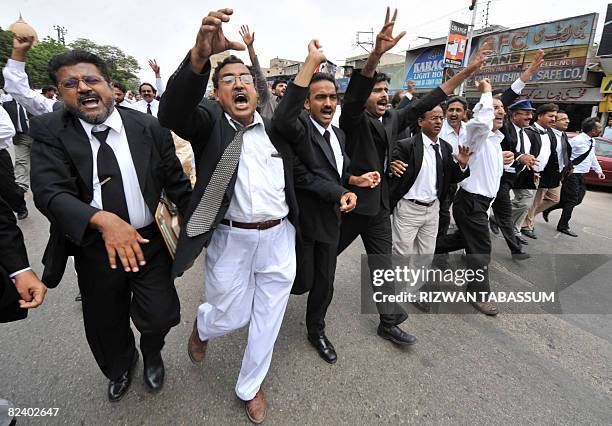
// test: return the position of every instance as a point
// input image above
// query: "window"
(603, 148)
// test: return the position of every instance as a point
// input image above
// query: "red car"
(603, 151)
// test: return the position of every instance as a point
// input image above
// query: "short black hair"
(561, 111)
(320, 76)
(279, 81)
(588, 124)
(422, 114)
(546, 108)
(73, 57)
(48, 88)
(147, 84)
(231, 59)
(381, 76)
(454, 99)
(120, 86)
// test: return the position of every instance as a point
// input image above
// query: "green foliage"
(38, 59)
(122, 67)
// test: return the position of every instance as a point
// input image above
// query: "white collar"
(537, 126)
(556, 132)
(320, 128)
(113, 121)
(256, 120)
(427, 141)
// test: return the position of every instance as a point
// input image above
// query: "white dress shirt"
(17, 85)
(335, 145)
(7, 130)
(486, 162)
(259, 193)
(449, 135)
(544, 154)
(559, 137)
(424, 187)
(580, 144)
(409, 95)
(141, 106)
(127, 104)
(139, 212)
(526, 144)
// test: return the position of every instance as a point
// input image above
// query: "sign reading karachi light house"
(427, 69)
(565, 44)
(455, 45)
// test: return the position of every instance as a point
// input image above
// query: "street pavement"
(536, 368)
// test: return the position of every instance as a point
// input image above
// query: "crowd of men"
(269, 185)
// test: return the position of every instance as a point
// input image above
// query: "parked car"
(603, 151)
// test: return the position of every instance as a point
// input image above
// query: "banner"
(456, 44)
(426, 69)
(565, 44)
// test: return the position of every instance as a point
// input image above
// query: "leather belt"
(421, 203)
(259, 225)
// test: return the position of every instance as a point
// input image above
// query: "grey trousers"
(522, 202)
(23, 144)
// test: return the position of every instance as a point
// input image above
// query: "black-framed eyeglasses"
(90, 80)
(231, 79)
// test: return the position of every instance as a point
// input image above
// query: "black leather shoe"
(520, 255)
(521, 240)
(529, 233)
(545, 214)
(322, 344)
(396, 335)
(567, 231)
(118, 388)
(494, 227)
(154, 371)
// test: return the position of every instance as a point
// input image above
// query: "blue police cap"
(524, 104)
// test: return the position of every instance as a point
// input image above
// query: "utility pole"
(368, 42)
(61, 33)
(486, 25)
(468, 49)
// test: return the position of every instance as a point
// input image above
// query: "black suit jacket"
(11, 109)
(203, 123)
(62, 182)
(550, 177)
(13, 258)
(525, 179)
(318, 184)
(410, 151)
(370, 143)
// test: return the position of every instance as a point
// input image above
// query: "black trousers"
(502, 211)
(573, 191)
(111, 297)
(470, 213)
(375, 232)
(445, 207)
(9, 190)
(316, 269)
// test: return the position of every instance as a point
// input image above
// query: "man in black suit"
(243, 206)
(371, 131)
(416, 194)
(97, 175)
(320, 179)
(550, 173)
(20, 288)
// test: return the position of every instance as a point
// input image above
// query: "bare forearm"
(252, 53)
(451, 84)
(305, 75)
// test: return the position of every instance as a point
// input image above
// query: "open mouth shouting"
(241, 100)
(327, 113)
(381, 105)
(89, 101)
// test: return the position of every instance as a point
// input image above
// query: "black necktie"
(149, 109)
(22, 119)
(327, 137)
(563, 143)
(109, 175)
(522, 137)
(439, 170)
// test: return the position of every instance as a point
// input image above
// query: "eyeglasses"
(90, 80)
(228, 80)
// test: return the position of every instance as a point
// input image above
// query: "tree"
(122, 67)
(38, 60)
(6, 41)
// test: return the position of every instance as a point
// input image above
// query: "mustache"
(81, 98)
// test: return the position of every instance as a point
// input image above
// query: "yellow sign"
(606, 104)
(606, 85)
